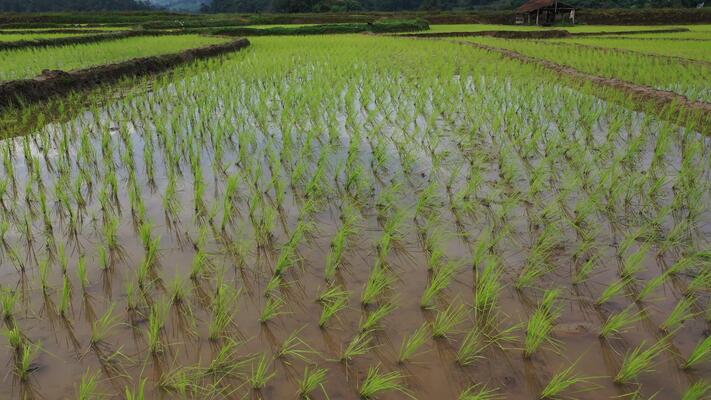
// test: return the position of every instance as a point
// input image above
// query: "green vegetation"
(28, 63)
(687, 79)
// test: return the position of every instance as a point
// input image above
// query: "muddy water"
(267, 110)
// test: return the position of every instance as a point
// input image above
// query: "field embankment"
(52, 83)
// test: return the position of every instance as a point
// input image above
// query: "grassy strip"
(20, 92)
(376, 27)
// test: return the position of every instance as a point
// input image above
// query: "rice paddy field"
(357, 217)
(29, 62)
(13, 37)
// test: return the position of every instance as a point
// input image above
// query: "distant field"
(692, 49)
(576, 28)
(689, 80)
(26, 63)
(35, 36)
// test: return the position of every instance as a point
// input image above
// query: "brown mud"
(56, 83)
(662, 100)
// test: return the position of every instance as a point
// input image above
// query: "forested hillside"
(396, 5)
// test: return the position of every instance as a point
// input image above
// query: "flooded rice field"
(355, 217)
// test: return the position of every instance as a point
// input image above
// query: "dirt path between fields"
(661, 99)
(54, 83)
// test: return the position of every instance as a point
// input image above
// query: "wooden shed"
(544, 12)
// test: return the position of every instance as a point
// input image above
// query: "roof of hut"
(533, 5)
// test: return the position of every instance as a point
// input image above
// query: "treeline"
(305, 6)
(72, 5)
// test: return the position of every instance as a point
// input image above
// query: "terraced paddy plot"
(690, 49)
(6, 37)
(29, 62)
(355, 217)
(688, 79)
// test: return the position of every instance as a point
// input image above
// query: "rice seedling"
(102, 327)
(333, 300)
(441, 280)
(640, 360)
(261, 375)
(361, 344)
(139, 394)
(681, 312)
(15, 338)
(698, 391)
(376, 382)
(488, 286)
(412, 343)
(294, 347)
(372, 321)
(614, 289)
(313, 379)
(156, 323)
(8, 300)
(480, 392)
(66, 299)
(272, 309)
(619, 323)
(25, 365)
(542, 322)
(88, 386)
(447, 320)
(379, 281)
(472, 346)
(700, 354)
(563, 381)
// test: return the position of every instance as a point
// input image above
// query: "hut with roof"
(544, 12)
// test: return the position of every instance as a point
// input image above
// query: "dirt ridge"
(548, 34)
(557, 33)
(55, 83)
(642, 31)
(661, 99)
